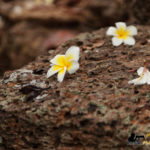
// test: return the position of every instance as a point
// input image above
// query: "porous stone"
(95, 108)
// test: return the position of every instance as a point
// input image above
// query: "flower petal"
(61, 74)
(121, 25)
(129, 41)
(133, 81)
(148, 78)
(138, 81)
(54, 69)
(74, 67)
(72, 53)
(58, 60)
(111, 31)
(140, 71)
(132, 30)
(144, 79)
(116, 41)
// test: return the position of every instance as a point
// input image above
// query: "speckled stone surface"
(95, 108)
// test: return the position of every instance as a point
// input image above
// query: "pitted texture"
(95, 108)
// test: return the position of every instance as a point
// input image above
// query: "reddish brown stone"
(95, 108)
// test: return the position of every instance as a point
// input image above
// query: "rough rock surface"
(93, 109)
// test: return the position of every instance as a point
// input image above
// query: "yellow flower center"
(142, 74)
(122, 33)
(62, 62)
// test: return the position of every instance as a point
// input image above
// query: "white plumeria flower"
(122, 34)
(144, 78)
(62, 63)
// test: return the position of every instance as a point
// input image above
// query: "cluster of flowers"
(69, 62)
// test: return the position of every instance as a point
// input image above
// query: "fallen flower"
(62, 63)
(122, 34)
(144, 78)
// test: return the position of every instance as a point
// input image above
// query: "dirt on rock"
(93, 109)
